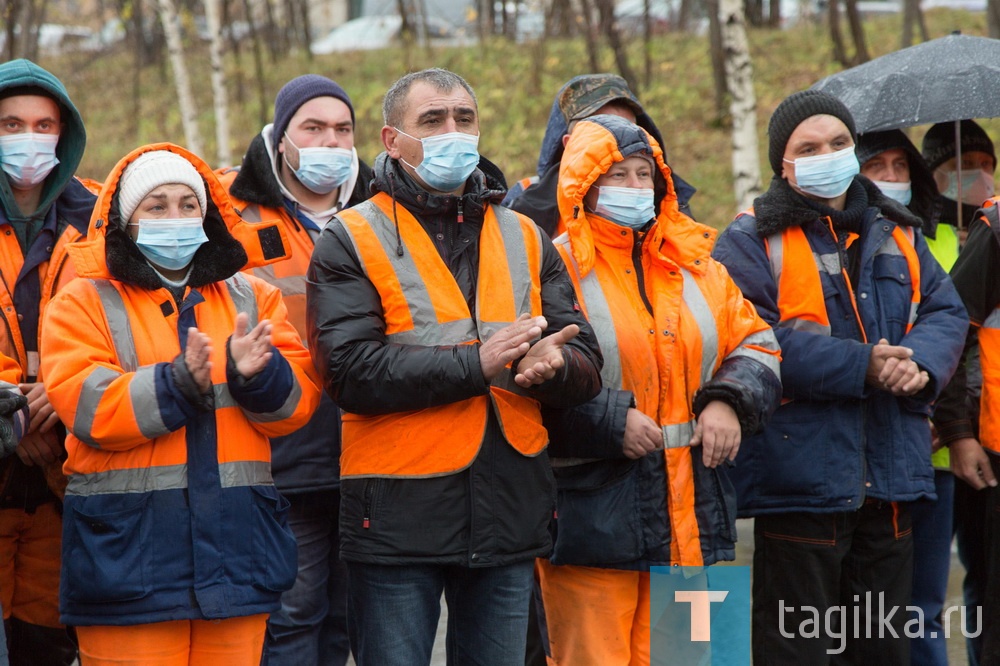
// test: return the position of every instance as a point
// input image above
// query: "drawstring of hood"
(395, 219)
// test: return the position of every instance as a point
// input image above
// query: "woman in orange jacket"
(172, 369)
(689, 368)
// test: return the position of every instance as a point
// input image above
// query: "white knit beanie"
(149, 171)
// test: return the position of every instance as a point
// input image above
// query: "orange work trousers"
(595, 617)
(236, 641)
(30, 551)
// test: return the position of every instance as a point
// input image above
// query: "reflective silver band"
(241, 291)
(705, 319)
(599, 316)
(805, 325)
(142, 393)
(292, 285)
(283, 412)
(678, 434)
(169, 477)
(121, 330)
(766, 340)
(91, 392)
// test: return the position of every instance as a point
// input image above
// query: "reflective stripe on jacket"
(423, 305)
(170, 508)
(668, 318)
(800, 294)
(836, 440)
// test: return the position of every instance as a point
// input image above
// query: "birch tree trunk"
(189, 115)
(742, 105)
(219, 96)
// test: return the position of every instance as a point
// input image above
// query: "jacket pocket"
(106, 552)
(275, 554)
(895, 291)
(598, 514)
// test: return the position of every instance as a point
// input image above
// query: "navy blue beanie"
(300, 90)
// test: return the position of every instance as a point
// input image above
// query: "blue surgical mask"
(626, 206)
(826, 176)
(28, 158)
(322, 169)
(901, 192)
(449, 159)
(171, 244)
(977, 186)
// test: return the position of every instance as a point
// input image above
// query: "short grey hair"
(394, 104)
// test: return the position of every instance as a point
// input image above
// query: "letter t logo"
(701, 617)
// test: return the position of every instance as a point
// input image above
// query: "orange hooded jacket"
(186, 489)
(675, 331)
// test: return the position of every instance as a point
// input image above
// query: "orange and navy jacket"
(830, 294)
(171, 512)
(676, 334)
(307, 460)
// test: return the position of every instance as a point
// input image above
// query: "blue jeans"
(932, 522)
(311, 627)
(394, 613)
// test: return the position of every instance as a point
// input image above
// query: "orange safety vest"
(801, 304)
(989, 356)
(423, 305)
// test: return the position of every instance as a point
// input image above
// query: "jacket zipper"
(842, 255)
(369, 497)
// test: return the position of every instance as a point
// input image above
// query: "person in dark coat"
(871, 330)
(301, 170)
(440, 321)
(581, 97)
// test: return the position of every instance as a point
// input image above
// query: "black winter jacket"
(496, 511)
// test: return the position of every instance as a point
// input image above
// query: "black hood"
(925, 202)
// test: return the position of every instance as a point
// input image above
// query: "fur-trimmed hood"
(781, 207)
(108, 252)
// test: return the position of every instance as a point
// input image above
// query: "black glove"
(11, 402)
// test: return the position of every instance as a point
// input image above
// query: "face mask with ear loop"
(826, 176)
(28, 158)
(449, 159)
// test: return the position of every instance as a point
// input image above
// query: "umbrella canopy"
(950, 78)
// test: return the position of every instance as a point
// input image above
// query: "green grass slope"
(515, 84)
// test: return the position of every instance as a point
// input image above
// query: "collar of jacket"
(485, 186)
(255, 183)
(781, 207)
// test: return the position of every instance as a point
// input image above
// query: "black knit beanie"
(300, 90)
(939, 142)
(796, 108)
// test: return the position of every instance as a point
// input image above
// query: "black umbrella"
(950, 78)
(947, 79)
